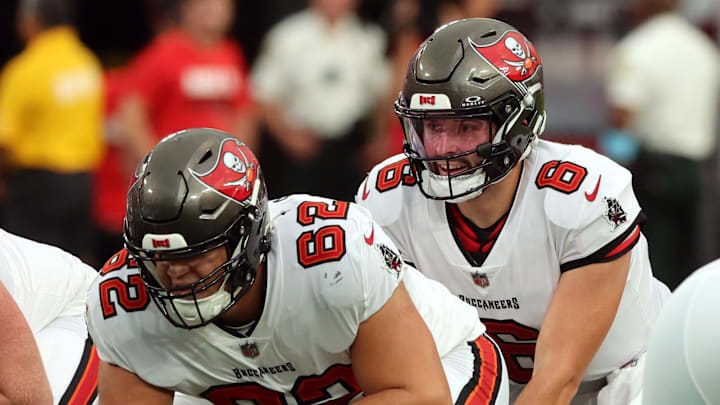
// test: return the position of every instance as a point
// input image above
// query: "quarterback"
(46, 355)
(543, 239)
(301, 300)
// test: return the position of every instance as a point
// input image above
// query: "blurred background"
(309, 85)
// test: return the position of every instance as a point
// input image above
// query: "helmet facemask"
(473, 69)
(493, 156)
(188, 306)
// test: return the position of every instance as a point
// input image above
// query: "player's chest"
(515, 281)
(268, 372)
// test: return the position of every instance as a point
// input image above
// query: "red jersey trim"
(616, 248)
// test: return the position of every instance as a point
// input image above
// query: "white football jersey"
(572, 207)
(46, 282)
(329, 269)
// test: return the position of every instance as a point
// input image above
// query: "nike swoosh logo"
(591, 197)
(365, 192)
(369, 239)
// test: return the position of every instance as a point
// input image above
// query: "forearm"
(35, 392)
(549, 389)
(22, 376)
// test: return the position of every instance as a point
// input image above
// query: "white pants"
(70, 361)
(476, 373)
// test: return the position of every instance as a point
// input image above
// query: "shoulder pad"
(385, 188)
(575, 184)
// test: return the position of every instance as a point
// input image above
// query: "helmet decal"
(436, 101)
(513, 55)
(234, 172)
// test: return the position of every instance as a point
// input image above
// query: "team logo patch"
(392, 259)
(250, 350)
(513, 55)
(234, 172)
(615, 214)
(480, 279)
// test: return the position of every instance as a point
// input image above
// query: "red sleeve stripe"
(623, 243)
(83, 387)
(628, 242)
(483, 387)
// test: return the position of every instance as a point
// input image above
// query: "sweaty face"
(182, 273)
(452, 136)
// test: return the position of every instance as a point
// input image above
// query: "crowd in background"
(309, 85)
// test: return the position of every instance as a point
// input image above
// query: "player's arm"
(117, 386)
(22, 376)
(580, 315)
(394, 357)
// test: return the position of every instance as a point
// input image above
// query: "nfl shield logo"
(481, 279)
(250, 350)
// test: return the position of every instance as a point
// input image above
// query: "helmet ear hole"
(207, 155)
(489, 34)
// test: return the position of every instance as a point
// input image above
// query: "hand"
(301, 145)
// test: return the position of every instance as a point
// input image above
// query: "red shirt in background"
(183, 85)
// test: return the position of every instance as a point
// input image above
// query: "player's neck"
(250, 306)
(201, 36)
(487, 208)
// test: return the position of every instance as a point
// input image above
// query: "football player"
(300, 300)
(543, 239)
(682, 366)
(46, 356)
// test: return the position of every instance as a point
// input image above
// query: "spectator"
(190, 75)
(663, 85)
(404, 24)
(50, 129)
(451, 10)
(319, 75)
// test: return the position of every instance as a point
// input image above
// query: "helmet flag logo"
(427, 100)
(161, 243)
(513, 55)
(234, 172)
